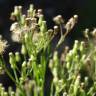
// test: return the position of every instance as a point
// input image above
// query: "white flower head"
(3, 45)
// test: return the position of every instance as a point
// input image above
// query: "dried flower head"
(3, 45)
(71, 23)
(94, 32)
(58, 19)
(18, 32)
(86, 33)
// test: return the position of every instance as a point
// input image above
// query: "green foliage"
(74, 71)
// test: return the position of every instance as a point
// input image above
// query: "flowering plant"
(73, 72)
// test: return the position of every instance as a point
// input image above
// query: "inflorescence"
(74, 71)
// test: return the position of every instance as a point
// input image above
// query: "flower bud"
(94, 33)
(76, 85)
(55, 80)
(83, 58)
(31, 10)
(12, 60)
(39, 12)
(9, 90)
(13, 17)
(41, 18)
(51, 64)
(71, 22)
(16, 11)
(82, 85)
(65, 94)
(56, 29)
(68, 65)
(2, 91)
(69, 56)
(24, 67)
(50, 33)
(29, 64)
(20, 9)
(23, 49)
(23, 20)
(22, 80)
(43, 27)
(58, 19)
(5, 94)
(76, 46)
(17, 56)
(33, 58)
(55, 56)
(86, 81)
(82, 46)
(12, 93)
(26, 38)
(24, 64)
(75, 18)
(86, 32)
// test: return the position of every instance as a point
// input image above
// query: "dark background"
(85, 9)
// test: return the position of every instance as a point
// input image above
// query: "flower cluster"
(3, 45)
(67, 26)
(73, 71)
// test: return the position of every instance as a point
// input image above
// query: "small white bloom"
(3, 45)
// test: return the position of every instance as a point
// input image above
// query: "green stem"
(15, 74)
(51, 92)
(6, 70)
(8, 73)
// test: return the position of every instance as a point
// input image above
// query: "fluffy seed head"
(3, 45)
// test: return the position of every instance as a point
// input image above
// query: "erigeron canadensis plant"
(74, 73)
